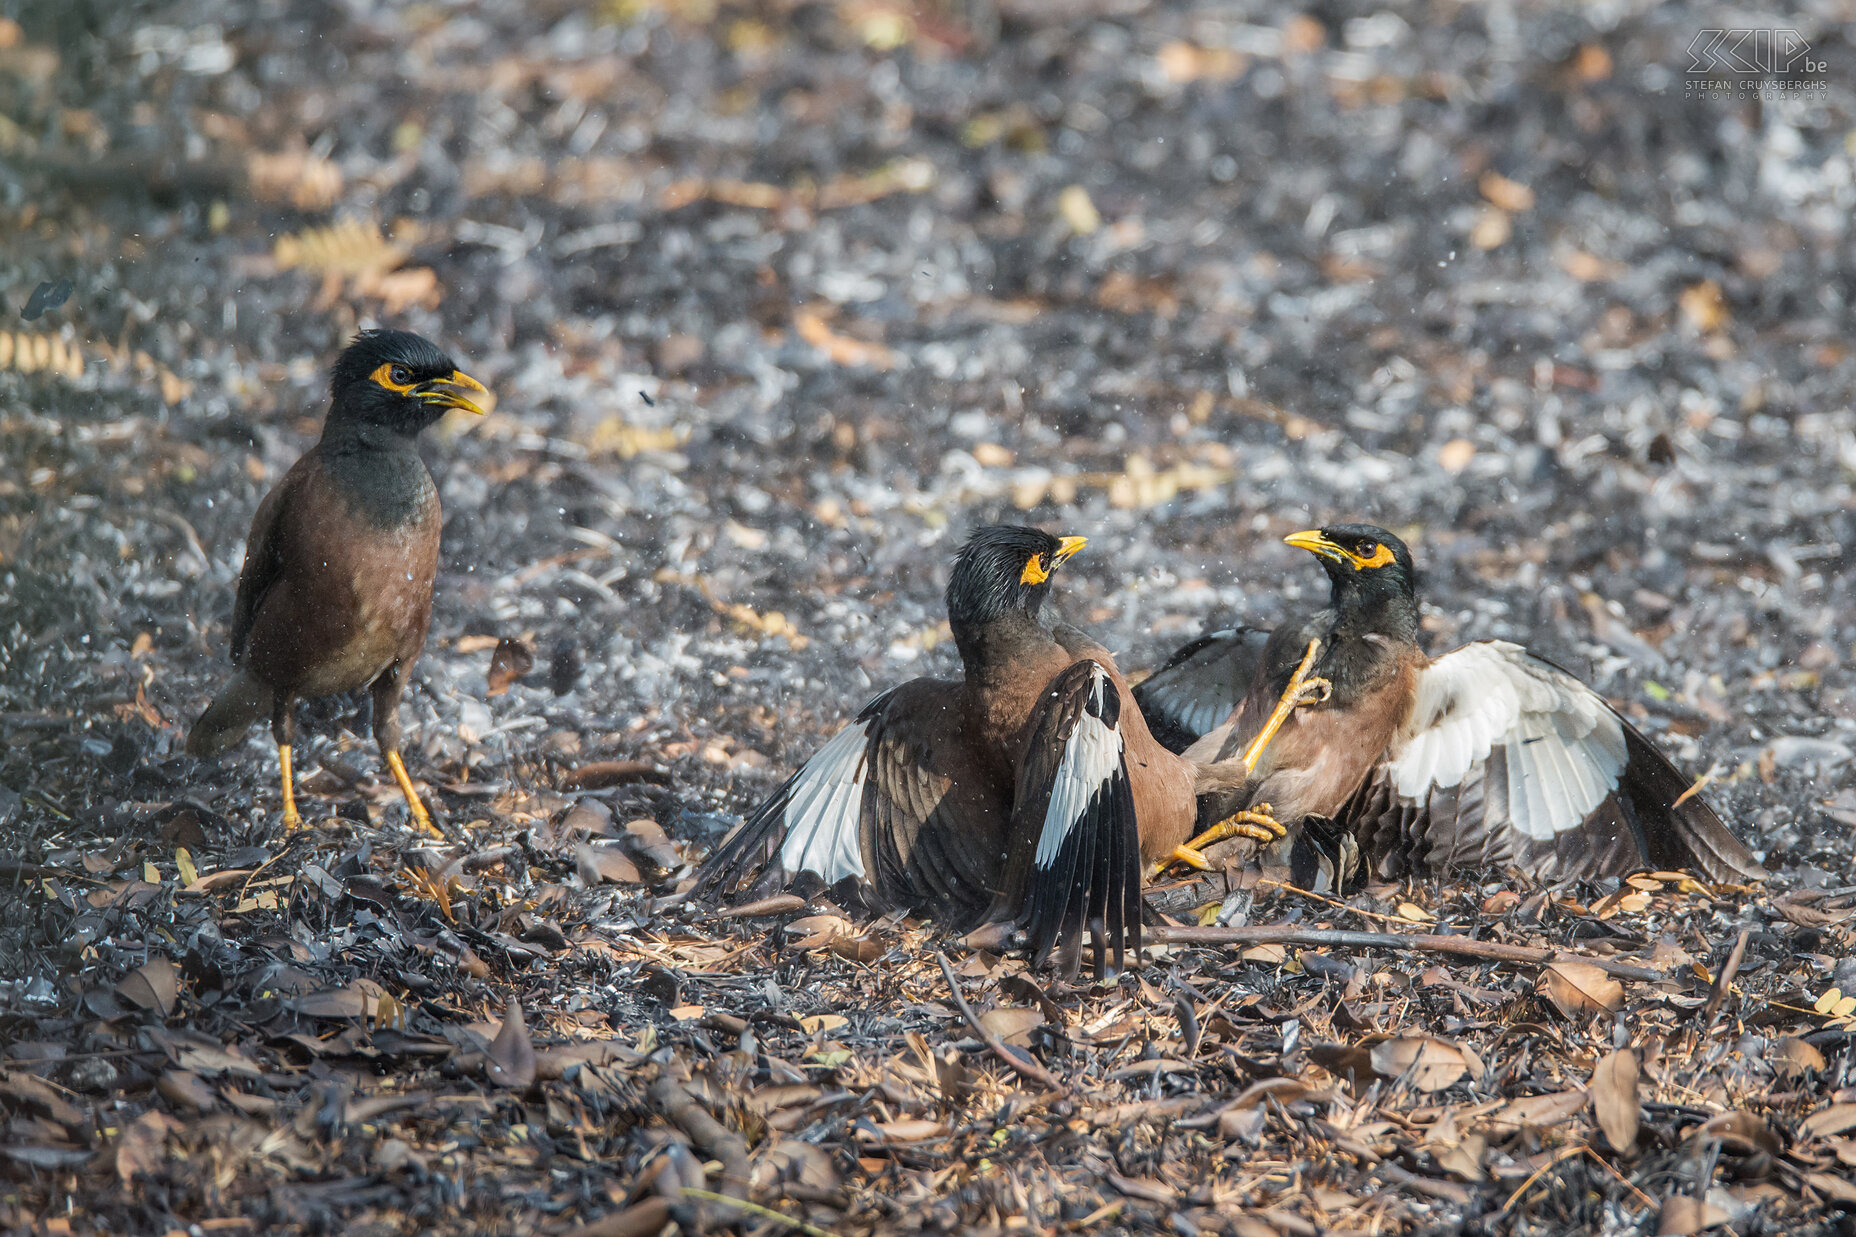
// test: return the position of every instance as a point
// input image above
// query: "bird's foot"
(1256, 823)
(292, 819)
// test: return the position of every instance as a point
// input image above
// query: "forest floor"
(779, 299)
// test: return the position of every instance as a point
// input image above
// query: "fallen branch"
(1026, 1065)
(1407, 942)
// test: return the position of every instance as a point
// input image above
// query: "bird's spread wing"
(1200, 685)
(263, 560)
(1074, 852)
(1507, 759)
(876, 804)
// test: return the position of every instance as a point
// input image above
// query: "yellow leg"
(291, 819)
(1302, 690)
(420, 817)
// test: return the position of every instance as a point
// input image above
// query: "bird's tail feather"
(245, 700)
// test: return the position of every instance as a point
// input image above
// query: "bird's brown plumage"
(1485, 757)
(336, 589)
(937, 797)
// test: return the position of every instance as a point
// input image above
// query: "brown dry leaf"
(1538, 1111)
(1579, 988)
(307, 181)
(153, 985)
(1592, 63)
(143, 1147)
(1413, 913)
(809, 325)
(818, 931)
(1833, 1119)
(1453, 457)
(1740, 1131)
(823, 1022)
(1704, 306)
(512, 1053)
(606, 862)
(1614, 1099)
(909, 1130)
(1181, 63)
(1492, 229)
(1792, 1056)
(1585, 267)
(512, 659)
(1013, 1025)
(1508, 195)
(1683, 1216)
(1433, 1063)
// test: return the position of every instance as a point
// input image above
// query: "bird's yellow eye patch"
(1381, 555)
(393, 377)
(1039, 566)
(1035, 571)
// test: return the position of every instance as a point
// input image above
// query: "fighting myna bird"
(1028, 792)
(1398, 762)
(336, 590)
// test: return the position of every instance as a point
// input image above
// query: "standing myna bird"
(336, 591)
(1028, 792)
(1485, 756)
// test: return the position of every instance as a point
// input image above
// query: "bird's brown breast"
(351, 597)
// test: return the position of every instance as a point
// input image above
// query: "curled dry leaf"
(153, 985)
(512, 659)
(1538, 1111)
(1013, 1025)
(1579, 988)
(1614, 1098)
(1431, 1063)
(1792, 1056)
(512, 1053)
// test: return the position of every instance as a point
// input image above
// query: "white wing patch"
(1091, 758)
(1563, 745)
(826, 804)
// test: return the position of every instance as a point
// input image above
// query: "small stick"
(1027, 1066)
(755, 1209)
(1290, 934)
(1725, 979)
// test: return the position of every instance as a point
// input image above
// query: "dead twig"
(1408, 942)
(1025, 1066)
(1725, 979)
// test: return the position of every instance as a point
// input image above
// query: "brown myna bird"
(336, 591)
(1028, 792)
(1483, 757)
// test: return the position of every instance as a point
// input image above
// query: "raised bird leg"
(282, 725)
(1303, 689)
(386, 692)
(1257, 821)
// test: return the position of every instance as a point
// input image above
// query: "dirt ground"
(779, 300)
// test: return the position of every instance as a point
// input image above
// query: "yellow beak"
(1312, 541)
(460, 390)
(1067, 547)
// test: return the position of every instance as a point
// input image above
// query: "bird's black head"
(1365, 564)
(1004, 569)
(399, 381)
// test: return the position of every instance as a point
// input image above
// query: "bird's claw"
(1257, 823)
(1313, 691)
